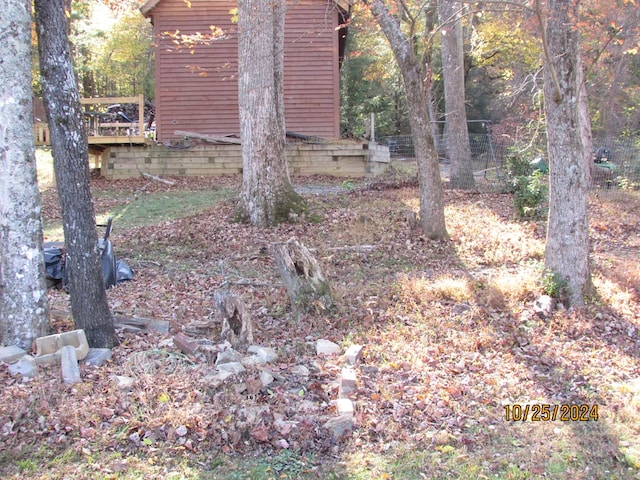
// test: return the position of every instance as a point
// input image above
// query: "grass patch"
(151, 209)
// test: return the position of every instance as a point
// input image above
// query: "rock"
(181, 431)
(347, 383)
(327, 347)
(26, 366)
(214, 381)
(265, 354)
(228, 356)
(11, 353)
(544, 306)
(300, 370)
(123, 383)
(185, 344)
(344, 406)
(232, 367)
(340, 426)
(69, 365)
(353, 354)
(97, 357)
(266, 378)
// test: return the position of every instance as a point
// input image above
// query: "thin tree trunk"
(89, 305)
(456, 131)
(567, 246)
(432, 218)
(24, 314)
(267, 196)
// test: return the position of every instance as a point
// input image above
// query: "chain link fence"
(616, 162)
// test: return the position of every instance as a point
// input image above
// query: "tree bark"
(267, 196)
(567, 246)
(237, 327)
(457, 133)
(415, 79)
(89, 305)
(307, 288)
(23, 289)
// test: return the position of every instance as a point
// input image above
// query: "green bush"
(528, 182)
(530, 195)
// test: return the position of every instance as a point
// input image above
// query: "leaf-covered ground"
(449, 332)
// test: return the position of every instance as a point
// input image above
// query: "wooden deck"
(101, 130)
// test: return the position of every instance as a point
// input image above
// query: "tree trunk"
(89, 305)
(308, 290)
(267, 196)
(23, 290)
(567, 246)
(453, 71)
(415, 82)
(237, 327)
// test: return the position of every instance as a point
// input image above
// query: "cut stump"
(307, 288)
(237, 327)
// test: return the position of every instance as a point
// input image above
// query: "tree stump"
(237, 327)
(307, 288)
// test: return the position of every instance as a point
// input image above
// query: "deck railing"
(104, 127)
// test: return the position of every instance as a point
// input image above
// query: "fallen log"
(156, 179)
(209, 137)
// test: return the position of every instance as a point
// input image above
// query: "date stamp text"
(562, 412)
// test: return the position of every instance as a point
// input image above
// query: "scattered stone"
(347, 383)
(124, 383)
(26, 366)
(544, 306)
(97, 357)
(344, 406)
(11, 354)
(240, 388)
(327, 347)
(282, 443)
(254, 413)
(232, 367)
(265, 354)
(300, 370)
(139, 324)
(340, 426)
(181, 431)
(214, 381)
(186, 345)
(353, 354)
(228, 356)
(69, 365)
(266, 378)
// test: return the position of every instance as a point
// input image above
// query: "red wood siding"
(199, 92)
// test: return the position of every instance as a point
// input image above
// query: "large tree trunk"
(567, 247)
(23, 290)
(89, 305)
(415, 82)
(457, 134)
(267, 196)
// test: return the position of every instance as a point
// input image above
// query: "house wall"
(197, 90)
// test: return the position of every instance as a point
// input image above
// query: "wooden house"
(197, 85)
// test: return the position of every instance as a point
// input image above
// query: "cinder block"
(69, 365)
(11, 353)
(97, 357)
(353, 354)
(48, 347)
(347, 383)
